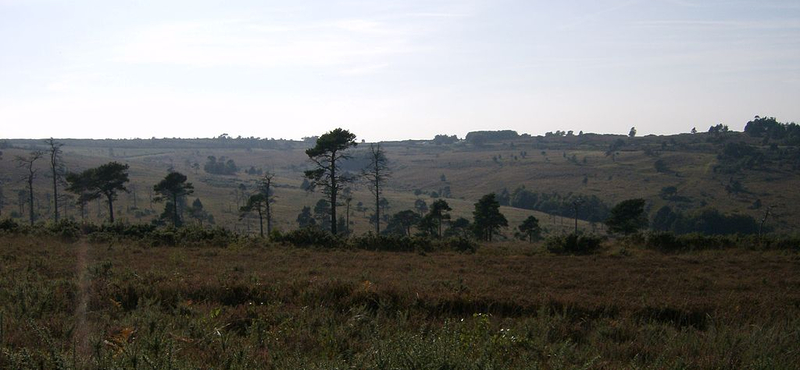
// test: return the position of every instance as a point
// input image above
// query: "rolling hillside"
(609, 167)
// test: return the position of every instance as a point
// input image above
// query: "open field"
(119, 305)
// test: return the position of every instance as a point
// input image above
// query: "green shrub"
(669, 242)
(573, 244)
(311, 237)
(664, 241)
(66, 230)
(391, 243)
(9, 226)
(457, 244)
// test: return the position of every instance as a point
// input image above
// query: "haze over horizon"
(388, 71)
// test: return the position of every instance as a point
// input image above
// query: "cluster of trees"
(707, 221)
(734, 157)
(770, 129)
(221, 166)
(482, 137)
(445, 140)
(593, 208)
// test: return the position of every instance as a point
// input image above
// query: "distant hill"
(734, 172)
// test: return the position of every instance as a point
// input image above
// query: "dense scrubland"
(496, 251)
(244, 302)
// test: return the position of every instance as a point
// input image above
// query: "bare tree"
(265, 188)
(376, 172)
(56, 165)
(348, 199)
(27, 164)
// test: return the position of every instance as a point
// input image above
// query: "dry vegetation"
(257, 305)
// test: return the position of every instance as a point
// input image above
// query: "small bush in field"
(664, 241)
(670, 242)
(391, 243)
(458, 244)
(311, 237)
(67, 230)
(9, 226)
(573, 244)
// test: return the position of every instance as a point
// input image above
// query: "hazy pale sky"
(391, 70)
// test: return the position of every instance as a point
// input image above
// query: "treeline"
(708, 221)
(590, 208)
(769, 128)
(151, 235)
(221, 142)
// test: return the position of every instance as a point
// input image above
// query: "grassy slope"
(470, 172)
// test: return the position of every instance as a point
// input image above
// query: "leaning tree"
(27, 163)
(258, 203)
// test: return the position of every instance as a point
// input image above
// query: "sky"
(392, 70)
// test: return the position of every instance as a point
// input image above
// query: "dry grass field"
(119, 305)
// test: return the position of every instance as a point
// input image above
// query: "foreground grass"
(101, 306)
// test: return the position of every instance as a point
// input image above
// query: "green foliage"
(592, 209)
(456, 244)
(530, 230)
(106, 180)
(311, 237)
(481, 137)
(9, 226)
(433, 222)
(487, 217)
(669, 242)
(770, 128)
(391, 243)
(66, 230)
(173, 187)
(401, 223)
(460, 227)
(221, 166)
(445, 139)
(326, 155)
(708, 221)
(627, 217)
(305, 218)
(573, 244)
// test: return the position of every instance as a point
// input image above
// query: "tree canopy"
(106, 180)
(330, 149)
(487, 217)
(627, 217)
(530, 229)
(173, 187)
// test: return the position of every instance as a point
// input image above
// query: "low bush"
(66, 230)
(8, 226)
(670, 242)
(457, 244)
(311, 237)
(573, 244)
(392, 243)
